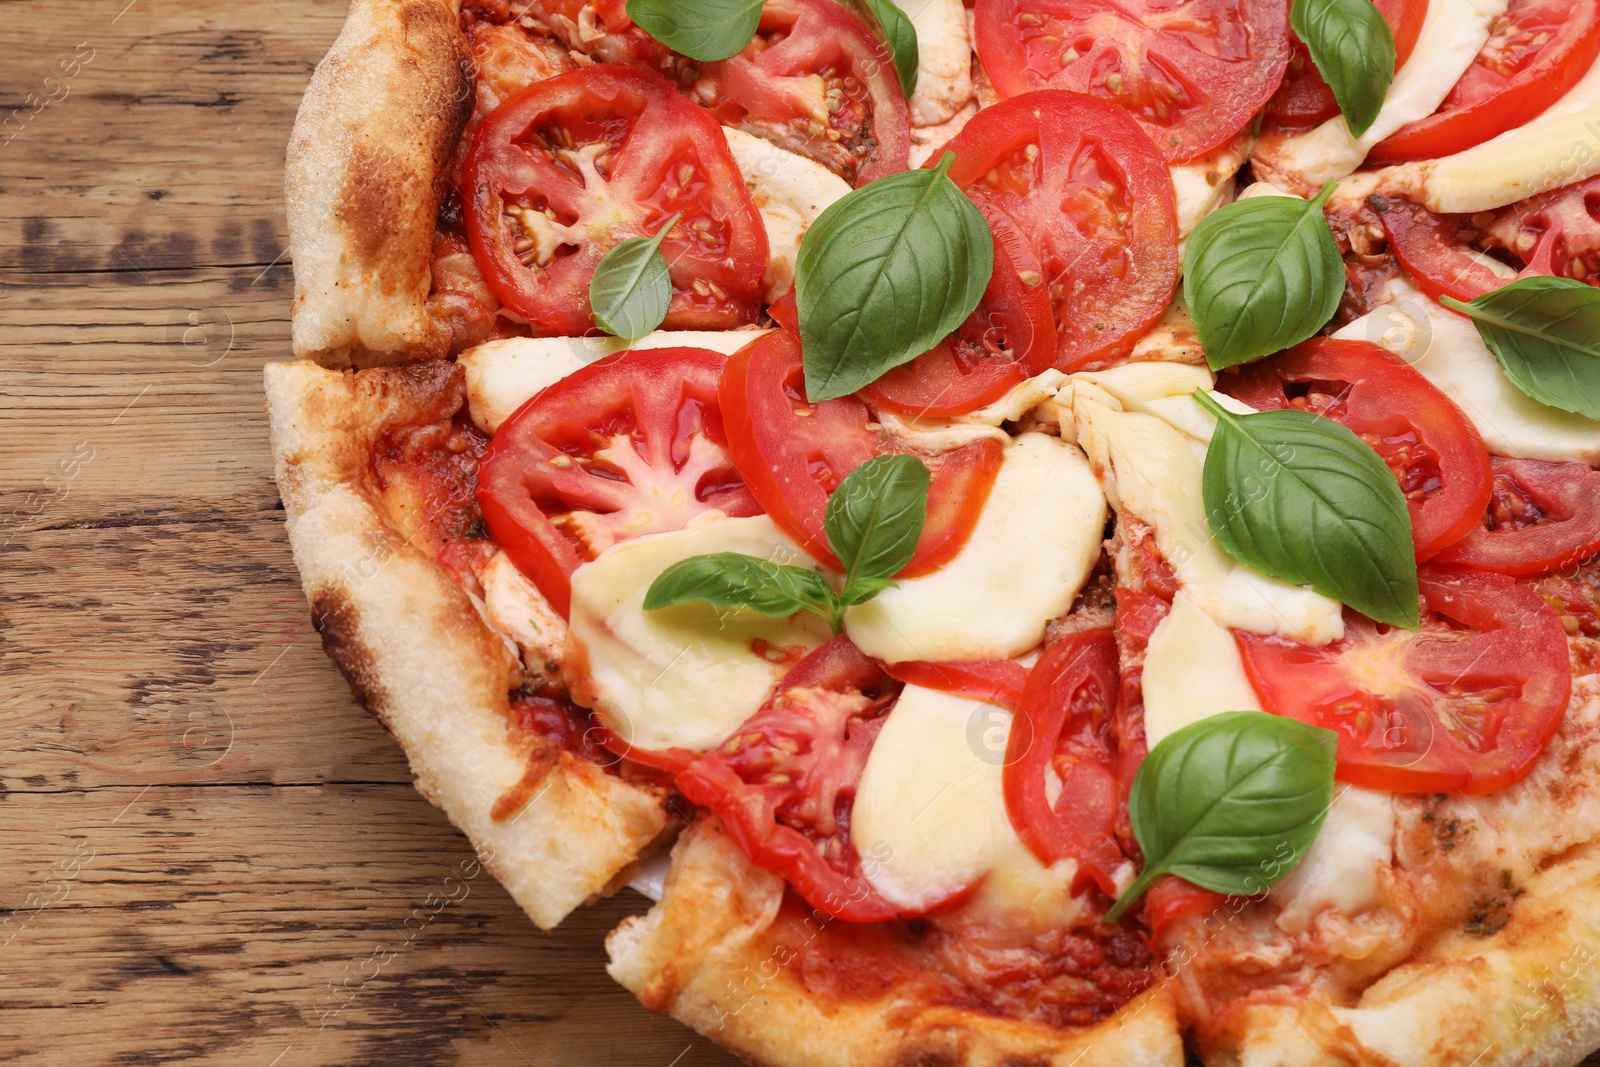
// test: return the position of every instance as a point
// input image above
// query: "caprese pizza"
(1040, 532)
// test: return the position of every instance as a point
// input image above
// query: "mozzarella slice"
(1343, 868)
(929, 808)
(1205, 184)
(1173, 338)
(1152, 470)
(1447, 350)
(944, 60)
(944, 434)
(517, 609)
(1452, 35)
(1034, 544)
(790, 191)
(1554, 149)
(926, 140)
(502, 375)
(688, 675)
(1192, 671)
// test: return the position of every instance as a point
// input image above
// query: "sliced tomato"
(1543, 517)
(1433, 448)
(785, 783)
(1467, 702)
(817, 82)
(1138, 615)
(1010, 337)
(1192, 74)
(630, 445)
(994, 681)
(1062, 735)
(570, 167)
(794, 453)
(1554, 234)
(1536, 51)
(1096, 204)
(1171, 898)
(1304, 99)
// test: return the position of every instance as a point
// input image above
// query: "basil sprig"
(872, 523)
(1230, 803)
(707, 30)
(900, 37)
(1546, 334)
(885, 273)
(1300, 497)
(1353, 49)
(631, 289)
(1261, 275)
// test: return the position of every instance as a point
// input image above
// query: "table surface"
(210, 853)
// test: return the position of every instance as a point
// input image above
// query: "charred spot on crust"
(334, 617)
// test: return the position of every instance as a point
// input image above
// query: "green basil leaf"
(1546, 334)
(631, 289)
(1300, 497)
(884, 274)
(862, 590)
(1230, 803)
(900, 37)
(707, 30)
(733, 580)
(874, 518)
(1261, 275)
(1353, 49)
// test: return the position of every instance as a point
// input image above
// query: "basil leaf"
(1261, 275)
(1300, 497)
(861, 590)
(631, 289)
(900, 37)
(885, 273)
(1353, 49)
(1546, 334)
(733, 580)
(707, 30)
(874, 518)
(1230, 803)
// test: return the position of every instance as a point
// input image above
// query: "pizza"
(1040, 532)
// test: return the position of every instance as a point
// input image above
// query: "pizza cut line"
(1090, 560)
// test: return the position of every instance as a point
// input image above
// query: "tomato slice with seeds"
(793, 454)
(1554, 234)
(1062, 735)
(570, 167)
(1433, 448)
(1192, 74)
(1010, 337)
(785, 783)
(817, 82)
(1467, 702)
(1304, 99)
(630, 445)
(1543, 517)
(1096, 205)
(1536, 52)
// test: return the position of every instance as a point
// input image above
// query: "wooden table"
(207, 851)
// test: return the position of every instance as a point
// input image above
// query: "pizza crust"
(364, 177)
(419, 656)
(700, 955)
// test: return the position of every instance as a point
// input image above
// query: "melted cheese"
(1205, 184)
(1033, 546)
(1173, 338)
(944, 60)
(1152, 469)
(1557, 148)
(687, 675)
(944, 434)
(1192, 670)
(502, 375)
(1449, 352)
(1453, 33)
(517, 609)
(1343, 867)
(790, 191)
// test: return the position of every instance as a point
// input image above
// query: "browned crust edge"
(699, 955)
(419, 656)
(364, 177)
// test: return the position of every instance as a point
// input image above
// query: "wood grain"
(211, 855)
